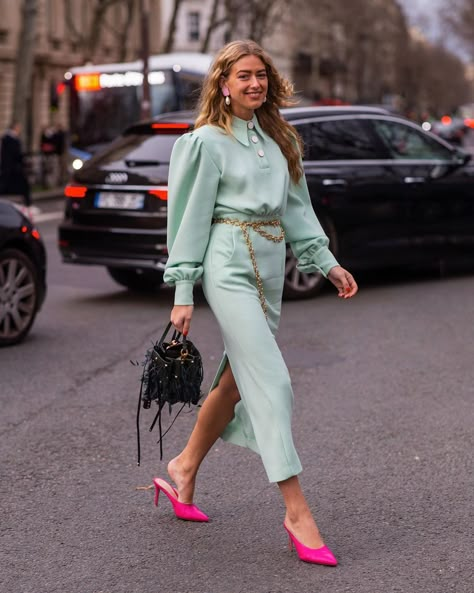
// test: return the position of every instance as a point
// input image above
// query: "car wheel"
(299, 285)
(19, 293)
(137, 279)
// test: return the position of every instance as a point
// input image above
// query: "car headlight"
(77, 164)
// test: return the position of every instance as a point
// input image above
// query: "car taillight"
(75, 191)
(34, 232)
(162, 194)
(166, 128)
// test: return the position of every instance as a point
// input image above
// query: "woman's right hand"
(181, 317)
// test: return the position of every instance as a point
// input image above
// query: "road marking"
(48, 216)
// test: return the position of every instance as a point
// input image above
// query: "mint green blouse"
(244, 176)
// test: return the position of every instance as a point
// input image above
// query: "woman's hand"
(343, 281)
(181, 317)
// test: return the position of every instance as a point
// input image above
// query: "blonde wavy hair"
(214, 111)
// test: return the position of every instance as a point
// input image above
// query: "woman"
(237, 193)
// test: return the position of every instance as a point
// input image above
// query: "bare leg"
(299, 519)
(216, 412)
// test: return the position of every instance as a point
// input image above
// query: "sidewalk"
(47, 194)
(53, 193)
(39, 197)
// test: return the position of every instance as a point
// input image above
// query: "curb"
(47, 194)
(55, 193)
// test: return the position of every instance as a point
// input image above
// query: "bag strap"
(167, 329)
(138, 417)
(175, 337)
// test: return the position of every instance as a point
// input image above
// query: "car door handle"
(414, 180)
(328, 182)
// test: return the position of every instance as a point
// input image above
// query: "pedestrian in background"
(61, 145)
(13, 177)
(53, 155)
(237, 194)
(49, 168)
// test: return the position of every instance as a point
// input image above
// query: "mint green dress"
(243, 177)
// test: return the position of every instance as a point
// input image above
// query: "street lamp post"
(145, 34)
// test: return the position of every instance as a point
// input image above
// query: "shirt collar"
(241, 129)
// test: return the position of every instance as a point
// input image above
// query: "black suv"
(386, 192)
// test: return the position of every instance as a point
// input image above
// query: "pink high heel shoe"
(321, 555)
(185, 511)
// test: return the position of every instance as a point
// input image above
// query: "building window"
(303, 63)
(193, 26)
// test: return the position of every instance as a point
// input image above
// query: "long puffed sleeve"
(192, 189)
(304, 232)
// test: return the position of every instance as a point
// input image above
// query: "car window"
(405, 142)
(338, 139)
(138, 147)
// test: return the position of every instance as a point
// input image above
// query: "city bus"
(106, 98)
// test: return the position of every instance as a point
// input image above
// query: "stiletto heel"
(322, 555)
(187, 512)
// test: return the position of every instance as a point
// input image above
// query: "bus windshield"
(104, 100)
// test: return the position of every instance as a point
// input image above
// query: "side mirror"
(460, 157)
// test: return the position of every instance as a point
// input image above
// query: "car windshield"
(138, 149)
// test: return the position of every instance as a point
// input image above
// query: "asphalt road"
(383, 422)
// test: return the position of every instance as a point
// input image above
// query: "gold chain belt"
(257, 227)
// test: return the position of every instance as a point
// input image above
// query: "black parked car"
(386, 192)
(22, 274)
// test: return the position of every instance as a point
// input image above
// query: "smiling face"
(247, 84)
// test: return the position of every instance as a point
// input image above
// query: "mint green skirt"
(262, 418)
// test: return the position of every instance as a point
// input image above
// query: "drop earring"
(226, 93)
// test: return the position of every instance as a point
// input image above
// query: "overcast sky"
(424, 14)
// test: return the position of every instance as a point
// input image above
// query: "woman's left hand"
(343, 281)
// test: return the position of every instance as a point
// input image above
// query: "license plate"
(124, 201)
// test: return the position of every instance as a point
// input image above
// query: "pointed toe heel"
(322, 555)
(187, 512)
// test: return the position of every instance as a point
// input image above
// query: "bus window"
(101, 115)
(163, 96)
(105, 99)
(189, 87)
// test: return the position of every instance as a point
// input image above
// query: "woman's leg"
(216, 412)
(299, 519)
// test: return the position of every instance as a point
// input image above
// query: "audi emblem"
(116, 177)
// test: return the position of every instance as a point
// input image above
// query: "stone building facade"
(60, 46)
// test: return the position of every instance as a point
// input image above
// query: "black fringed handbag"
(172, 374)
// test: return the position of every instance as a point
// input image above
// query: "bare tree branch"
(168, 45)
(24, 62)
(213, 24)
(458, 16)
